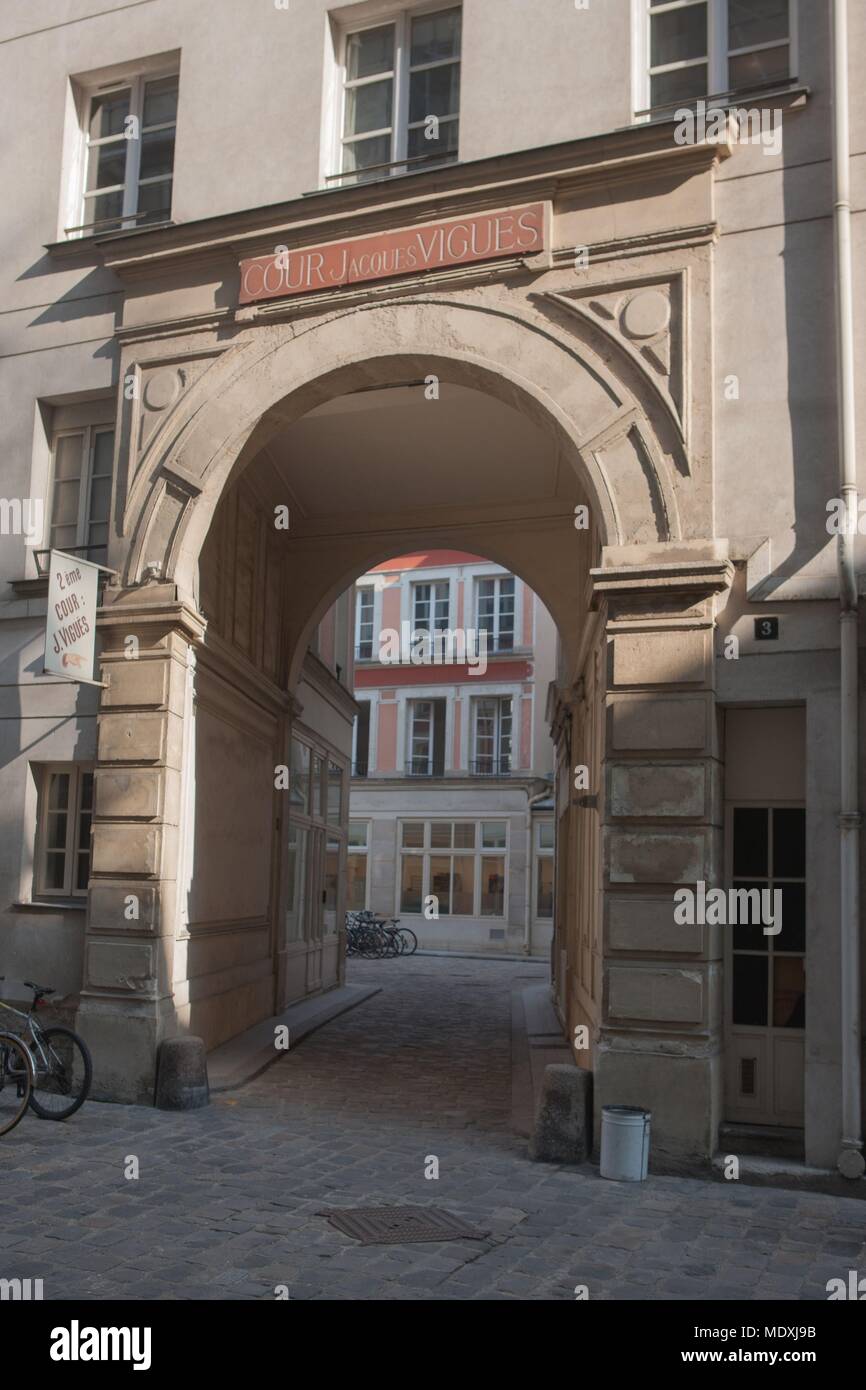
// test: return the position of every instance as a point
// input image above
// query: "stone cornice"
(696, 578)
(636, 154)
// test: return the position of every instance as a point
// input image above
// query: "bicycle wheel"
(63, 1074)
(16, 1081)
(410, 941)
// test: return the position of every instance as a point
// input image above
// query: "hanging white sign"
(70, 631)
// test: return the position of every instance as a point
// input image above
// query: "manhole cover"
(400, 1225)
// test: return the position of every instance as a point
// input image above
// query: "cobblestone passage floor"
(226, 1201)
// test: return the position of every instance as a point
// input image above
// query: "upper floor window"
(65, 813)
(492, 732)
(364, 623)
(699, 48)
(430, 606)
(81, 491)
(427, 720)
(401, 94)
(496, 609)
(129, 153)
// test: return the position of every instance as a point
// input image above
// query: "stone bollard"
(181, 1074)
(563, 1124)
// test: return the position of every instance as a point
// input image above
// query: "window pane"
(749, 930)
(444, 146)
(413, 834)
(792, 937)
(750, 990)
(108, 207)
(440, 834)
(440, 882)
(157, 153)
(434, 92)
(335, 793)
(87, 791)
(436, 36)
(58, 791)
(789, 992)
(370, 52)
(752, 22)
(412, 882)
(316, 806)
(683, 84)
(103, 454)
(544, 891)
(358, 833)
(54, 870)
(154, 201)
(751, 845)
(364, 154)
(296, 883)
(546, 837)
(100, 499)
(299, 777)
(463, 882)
(65, 510)
(160, 101)
(492, 887)
(789, 843)
(331, 880)
(751, 69)
(356, 896)
(464, 835)
(57, 830)
(106, 166)
(67, 456)
(369, 107)
(108, 113)
(493, 834)
(678, 35)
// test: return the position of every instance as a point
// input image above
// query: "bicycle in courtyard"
(375, 938)
(17, 1070)
(59, 1070)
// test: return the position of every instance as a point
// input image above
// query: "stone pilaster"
(661, 1036)
(127, 1002)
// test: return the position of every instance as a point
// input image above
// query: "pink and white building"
(451, 817)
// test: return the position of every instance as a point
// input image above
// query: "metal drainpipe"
(850, 1161)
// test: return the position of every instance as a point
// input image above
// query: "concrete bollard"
(563, 1124)
(181, 1074)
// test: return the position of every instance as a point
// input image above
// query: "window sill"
(51, 905)
(793, 91)
(30, 588)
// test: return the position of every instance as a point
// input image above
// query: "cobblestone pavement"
(226, 1202)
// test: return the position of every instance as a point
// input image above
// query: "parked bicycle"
(61, 1071)
(17, 1070)
(375, 938)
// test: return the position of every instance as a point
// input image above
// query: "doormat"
(400, 1225)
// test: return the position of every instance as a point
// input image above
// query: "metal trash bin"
(625, 1142)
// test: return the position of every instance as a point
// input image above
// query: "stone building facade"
(250, 237)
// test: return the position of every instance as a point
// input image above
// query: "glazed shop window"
(699, 48)
(461, 864)
(544, 849)
(129, 136)
(63, 847)
(401, 95)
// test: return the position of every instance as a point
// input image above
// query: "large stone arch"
(276, 373)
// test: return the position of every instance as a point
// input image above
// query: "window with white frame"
(699, 48)
(65, 811)
(129, 134)
(491, 735)
(401, 94)
(364, 622)
(426, 729)
(82, 465)
(430, 606)
(461, 863)
(495, 611)
(544, 859)
(357, 860)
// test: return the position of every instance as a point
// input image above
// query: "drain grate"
(400, 1225)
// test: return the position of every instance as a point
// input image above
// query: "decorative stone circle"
(647, 314)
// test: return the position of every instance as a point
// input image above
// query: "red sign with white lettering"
(511, 232)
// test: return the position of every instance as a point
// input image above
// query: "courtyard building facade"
(291, 291)
(451, 812)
